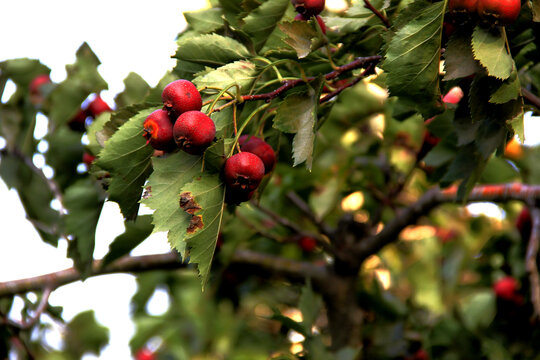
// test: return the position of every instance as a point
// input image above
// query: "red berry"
(88, 159)
(319, 20)
(499, 12)
(260, 148)
(524, 224)
(158, 131)
(505, 288)
(453, 96)
(243, 171)
(97, 106)
(37, 83)
(309, 7)
(193, 132)
(307, 243)
(180, 96)
(144, 354)
(462, 6)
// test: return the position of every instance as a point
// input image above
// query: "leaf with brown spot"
(188, 204)
(195, 224)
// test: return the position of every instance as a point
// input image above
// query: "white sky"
(127, 36)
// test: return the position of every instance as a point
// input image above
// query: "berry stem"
(239, 133)
(220, 94)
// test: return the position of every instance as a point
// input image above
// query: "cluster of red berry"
(181, 124)
(308, 8)
(497, 12)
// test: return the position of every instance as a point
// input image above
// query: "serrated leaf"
(509, 90)
(127, 157)
(260, 23)
(205, 21)
(459, 60)
(204, 200)
(518, 125)
(163, 190)
(490, 49)
(83, 201)
(300, 36)
(297, 114)
(344, 25)
(242, 73)
(210, 50)
(136, 232)
(413, 54)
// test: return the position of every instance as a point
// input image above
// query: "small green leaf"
(260, 23)
(136, 232)
(205, 21)
(490, 49)
(509, 90)
(300, 36)
(210, 50)
(163, 190)
(204, 200)
(242, 73)
(127, 157)
(459, 60)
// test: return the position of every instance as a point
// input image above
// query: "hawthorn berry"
(309, 7)
(457, 7)
(158, 131)
(78, 122)
(37, 83)
(193, 132)
(524, 224)
(181, 96)
(260, 148)
(499, 12)
(97, 106)
(243, 171)
(307, 243)
(506, 288)
(88, 158)
(318, 18)
(144, 354)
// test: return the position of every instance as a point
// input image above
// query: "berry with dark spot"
(260, 148)
(309, 7)
(158, 131)
(181, 96)
(193, 132)
(499, 12)
(243, 172)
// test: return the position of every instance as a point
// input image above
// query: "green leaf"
(210, 50)
(459, 60)
(242, 73)
(301, 36)
(83, 201)
(297, 114)
(345, 25)
(64, 155)
(310, 305)
(22, 71)
(84, 334)
(205, 21)
(518, 125)
(163, 190)
(478, 310)
(82, 80)
(127, 157)
(136, 89)
(509, 90)
(535, 6)
(325, 198)
(260, 23)
(413, 54)
(489, 48)
(136, 232)
(204, 200)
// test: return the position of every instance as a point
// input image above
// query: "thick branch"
(530, 260)
(435, 197)
(136, 264)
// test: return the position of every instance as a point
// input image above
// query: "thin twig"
(301, 204)
(377, 13)
(28, 324)
(530, 260)
(531, 98)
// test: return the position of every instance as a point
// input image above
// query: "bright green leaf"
(210, 50)
(300, 36)
(490, 49)
(242, 73)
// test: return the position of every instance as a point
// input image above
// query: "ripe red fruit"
(307, 243)
(37, 83)
(506, 288)
(181, 96)
(193, 132)
(78, 122)
(499, 12)
(243, 171)
(319, 20)
(88, 159)
(457, 7)
(97, 106)
(524, 224)
(453, 96)
(260, 148)
(309, 7)
(158, 131)
(144, 354)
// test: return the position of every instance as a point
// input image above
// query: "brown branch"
(530, 260)
(531, 98)
(377, 13)
(137, 264)
(25, 325)
(435, 197)
(301, 204)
